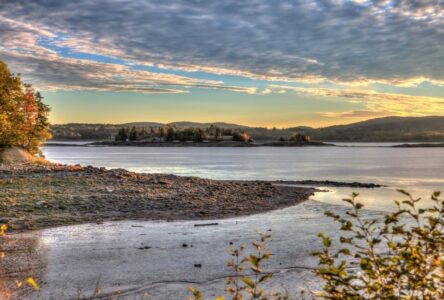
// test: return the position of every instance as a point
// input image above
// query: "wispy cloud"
(358, 114)
(376, 103)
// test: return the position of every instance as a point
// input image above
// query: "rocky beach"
(36, 196)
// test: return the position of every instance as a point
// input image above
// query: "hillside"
(388, 129)
(384, 129)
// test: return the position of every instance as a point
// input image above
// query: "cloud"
(47, 70)
(376, 103)
(51, 72)
(360, 114)
(342, 41)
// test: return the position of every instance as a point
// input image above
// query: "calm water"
(420, 170)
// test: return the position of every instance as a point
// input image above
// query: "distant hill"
(392, 129)
(142, 124)
(388, 129)
(205, 125)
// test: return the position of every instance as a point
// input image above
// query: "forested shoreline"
(389, 129)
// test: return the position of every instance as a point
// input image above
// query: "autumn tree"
(23, 115)
(241, 137)
(300, 138)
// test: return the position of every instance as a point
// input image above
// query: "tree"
(122, 135)
(300, 138)
(37, 123)
(23, 115)
(11, 91)
(199, 135)
(171, 134)
(241, 137)
(218, 133)
(133, 134)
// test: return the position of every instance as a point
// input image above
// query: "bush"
(241, 284)
(399, 257)
(395, 260)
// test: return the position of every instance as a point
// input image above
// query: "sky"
(261, 63)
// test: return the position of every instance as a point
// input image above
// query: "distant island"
(419, 145)
(388, 129)
(212, 136)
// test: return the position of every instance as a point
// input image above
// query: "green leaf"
(247, 281)
(326, 241)
(253, 260)
(345, 251)
(359, 205)
(265, 277)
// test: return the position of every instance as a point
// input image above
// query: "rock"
(206, 224)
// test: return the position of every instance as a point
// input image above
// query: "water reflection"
(418, 170)
(381, 199)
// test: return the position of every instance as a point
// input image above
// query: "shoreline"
(37, 196)
(228, 144)
(189, 144)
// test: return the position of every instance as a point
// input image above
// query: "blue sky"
(261, 63)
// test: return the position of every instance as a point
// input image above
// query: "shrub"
(398, 257)
(402, 258)
(241, 285)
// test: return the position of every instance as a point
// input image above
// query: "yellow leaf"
(18, 283)
(3, 229)
(32, 283)
(220, 298)
(2, 254)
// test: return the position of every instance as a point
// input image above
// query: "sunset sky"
(260, 63)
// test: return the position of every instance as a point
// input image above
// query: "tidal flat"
(41, 196)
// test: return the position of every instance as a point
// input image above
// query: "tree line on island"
(189, 134)
(388, 129)
(178, 134)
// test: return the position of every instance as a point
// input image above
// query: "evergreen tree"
(217, 133)
(199, 135)
(171, 135)
(133, 134)
(122, 135)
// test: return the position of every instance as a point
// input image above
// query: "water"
(419, 170)
(81, 256)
